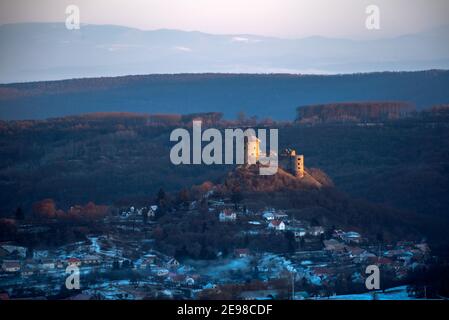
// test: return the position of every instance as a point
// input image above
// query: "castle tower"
(252, 150)
(297, 165)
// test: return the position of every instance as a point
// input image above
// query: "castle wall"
(252, 150)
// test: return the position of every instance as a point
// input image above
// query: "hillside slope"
(314, 197)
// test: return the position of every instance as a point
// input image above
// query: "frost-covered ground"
(397, 293)
(222, 269)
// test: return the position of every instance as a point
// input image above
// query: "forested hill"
(263, 95)
(353, 112)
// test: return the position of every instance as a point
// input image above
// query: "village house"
(161, 272)
(48, 264)
(355, 251)
(172, 263)
(280, 216)
(182, 279)
(11, 266)
(381, 261)
(91, 260)
(259, 295)
(299, 233)
(277, 225)
(151, 212)
(26, 272)
(333, 245)
(4, 296)
(179, 278)
(424, 247)
(268, 215)
(59, 264)
(394, 253)
(150, 258)
(316, 231)
(227, 215)
(3, 253)
(190, 281)
(322, 272)
(74, 261)
(216, 203)
(351, 236)
(405, 258)
(147, 261)
(241, 253)
(9, 249)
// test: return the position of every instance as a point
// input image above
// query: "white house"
(280, 216)
(26, 272)
(190, 281)
(352, 236)
(162, 272)
(277, 225)
(241, 253)
(316, 231)
(11, 266)
(268, 215)
(152, 211)
(48, 264)
(172, 263)
(91, 259)
(227, 215)
(147, 261)
(299, 232)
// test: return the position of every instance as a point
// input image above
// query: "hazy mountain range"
(45, 51)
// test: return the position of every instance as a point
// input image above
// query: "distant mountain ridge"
(48, 51)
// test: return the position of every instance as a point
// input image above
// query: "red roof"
(178, 277)
(4, 296)
(241, 251)
(322, 271)
(381, 260)
(74, 260)
(276, 222)
(228, 212)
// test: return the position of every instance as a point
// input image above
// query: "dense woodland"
(118, 159)
(353, 112)
(261, 95)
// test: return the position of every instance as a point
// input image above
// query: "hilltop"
(315, 197)
(123, 158)
(248, 179)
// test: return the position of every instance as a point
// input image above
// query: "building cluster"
(124, 265)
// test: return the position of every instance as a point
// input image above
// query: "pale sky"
(281, 18)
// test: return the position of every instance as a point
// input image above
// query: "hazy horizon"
(136, 37)
(273, 18)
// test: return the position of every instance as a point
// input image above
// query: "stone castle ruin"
(288, 159)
